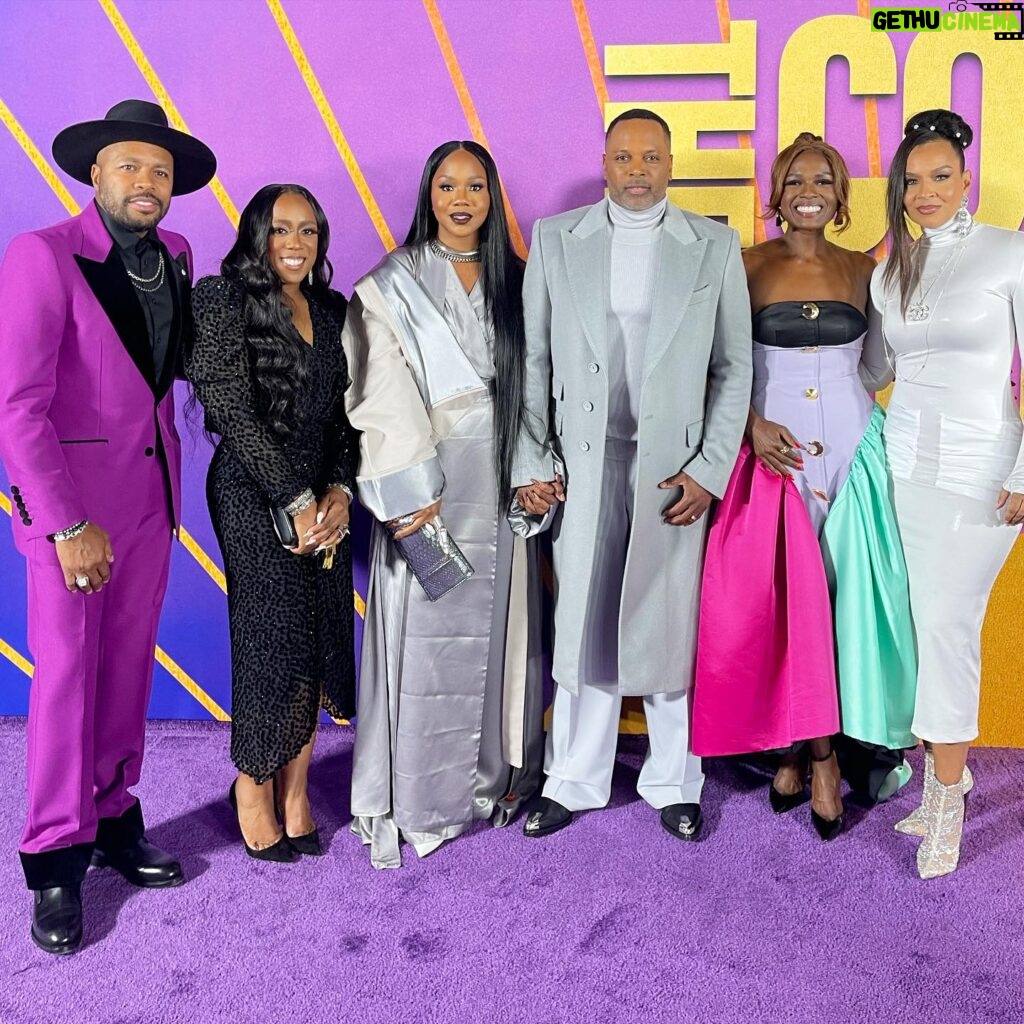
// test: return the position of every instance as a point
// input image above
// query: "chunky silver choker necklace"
(471, 256)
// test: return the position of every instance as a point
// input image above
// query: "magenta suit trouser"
(93, 675)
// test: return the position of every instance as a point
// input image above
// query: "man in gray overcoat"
(637, 391)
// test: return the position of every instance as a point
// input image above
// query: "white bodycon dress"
(953, 437)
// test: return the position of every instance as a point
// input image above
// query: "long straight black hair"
(280, 356)
(928, 126)
(501, 275)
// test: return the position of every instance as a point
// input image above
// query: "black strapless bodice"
(802, 324)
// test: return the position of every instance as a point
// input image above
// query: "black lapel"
(114, 292)
(181, 322)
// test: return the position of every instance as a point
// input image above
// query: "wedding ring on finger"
(81, 582)
(785, 449)
(405, 520)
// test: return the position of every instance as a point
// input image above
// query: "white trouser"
(580, 753)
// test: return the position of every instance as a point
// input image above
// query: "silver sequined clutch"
(434, 558)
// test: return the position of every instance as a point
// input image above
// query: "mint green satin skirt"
(867, 576)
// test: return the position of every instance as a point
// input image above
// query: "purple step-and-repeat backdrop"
(349, 97)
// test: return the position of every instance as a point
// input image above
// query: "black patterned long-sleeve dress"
(291, 620)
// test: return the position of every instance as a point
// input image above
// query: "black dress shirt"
(141, 256)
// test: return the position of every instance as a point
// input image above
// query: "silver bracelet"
(72, 531)
(301, 503)
(341, 487)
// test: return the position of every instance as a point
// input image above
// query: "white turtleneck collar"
(946, 234)
(637, 219)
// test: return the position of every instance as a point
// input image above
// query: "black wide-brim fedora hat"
(75, 148)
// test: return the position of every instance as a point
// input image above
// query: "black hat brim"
(75, 150)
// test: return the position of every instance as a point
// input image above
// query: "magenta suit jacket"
(81, 410)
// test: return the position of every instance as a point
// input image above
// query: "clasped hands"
(539, 496)
(323, 523)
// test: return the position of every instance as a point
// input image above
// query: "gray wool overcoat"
(693, 407)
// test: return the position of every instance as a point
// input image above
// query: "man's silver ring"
(82, 582)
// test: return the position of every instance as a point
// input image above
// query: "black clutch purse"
(284, 527)
(433, 558)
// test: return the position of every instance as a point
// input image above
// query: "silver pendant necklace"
(920, 310)
(453, 255)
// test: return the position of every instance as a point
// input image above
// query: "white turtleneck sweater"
(635, 244)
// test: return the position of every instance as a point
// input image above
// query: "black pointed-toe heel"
(827, 828)
(782, 802)
(309, 844)
(280, 852)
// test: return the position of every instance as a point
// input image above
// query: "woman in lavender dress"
(804, 572)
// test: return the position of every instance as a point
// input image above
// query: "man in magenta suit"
(96, 314)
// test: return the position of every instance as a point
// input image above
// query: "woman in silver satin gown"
(952, 319)
(449, 706)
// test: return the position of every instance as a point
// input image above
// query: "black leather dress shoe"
(546, 817)
(57, 919)
(142, 864)
(684, 821)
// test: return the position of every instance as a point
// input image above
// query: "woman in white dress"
(952, 312)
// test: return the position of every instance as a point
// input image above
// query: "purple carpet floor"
(611, 920)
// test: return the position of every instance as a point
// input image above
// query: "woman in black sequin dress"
(270, 372)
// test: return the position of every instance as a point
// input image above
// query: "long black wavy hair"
(501, 275)
(927, 126)
(279, 363)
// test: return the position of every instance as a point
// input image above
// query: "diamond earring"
(310, 278)
(963, 218)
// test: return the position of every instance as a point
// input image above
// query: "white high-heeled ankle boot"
(939, 854)
(914, 823)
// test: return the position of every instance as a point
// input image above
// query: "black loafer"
(547, 817)
(684, 821)
(142, 864)
(57, 919)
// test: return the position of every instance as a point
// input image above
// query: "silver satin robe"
(448, 726)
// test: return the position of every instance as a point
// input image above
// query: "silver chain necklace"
(920, 310)
(439, 249)
(920, 313)
(158, 278)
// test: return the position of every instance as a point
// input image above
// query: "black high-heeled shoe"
(782, 802)
(827, 828)
(309, 844)
(280, 852)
